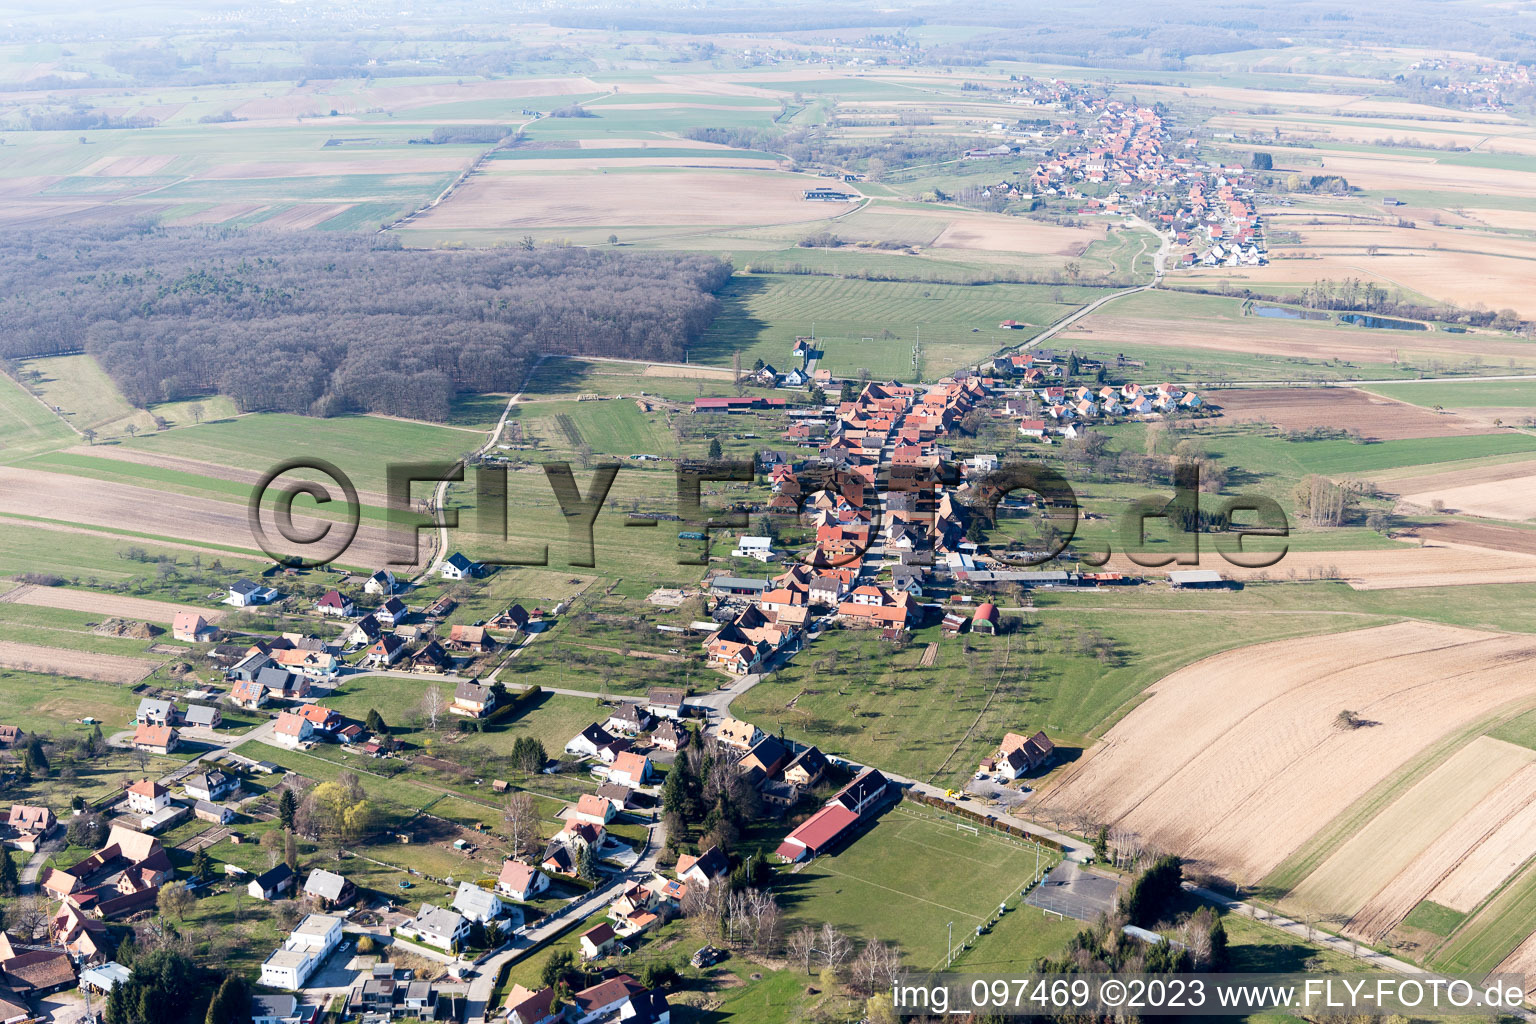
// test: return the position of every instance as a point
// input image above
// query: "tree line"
(324, 325)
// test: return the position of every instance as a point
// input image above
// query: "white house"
(521, 881)
(437, 926)
(290, 966)
(381, 582)
(146, 797)
(485, 906)
(587, 742)
(457, 567)
(760, 548)
(292, 731)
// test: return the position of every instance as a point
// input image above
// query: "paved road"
(1321, 938)
(484, 982)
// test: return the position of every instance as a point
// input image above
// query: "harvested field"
(104, 604)
(497, 199)
(26, 492)
(1504, 491)
(1279, 338)
(1377, 419)
(218, 214)
(129, 166)
(1392, 863)
(108, 668)
(1236, 777)
(297, 218)
(1522, 961)
(1377, 569)
(1478, 535)
(688, 372)
(1499, 855)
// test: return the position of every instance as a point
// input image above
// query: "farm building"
(1197, 579)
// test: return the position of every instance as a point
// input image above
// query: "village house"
(472, 699)
(589, 741)
(598, 941)
(290, 966)
(202, 716)
(630, 769)
(28, 827)
(10, 736)
(470, 638)
(332, 602)
(1018, 755)
(156, 712)
(669, 736)
(192, 628)
(381, 582)
(594, 809)
(525, 1006)
(249, 695)
(329, 889)
(457, 567)
(521, 882)
(392, 612)
(704, 869)
(157, 739)
(385, 651)
(482, 906)
(212, 785)
(629, 719)
(666, 702)
(121, 878)
(807, 768)
(292, 731)
(738, 734)
(272, 884)
(437, 926)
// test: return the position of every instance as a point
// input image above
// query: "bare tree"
(522, 821)
(802, 946)
(30, 917)
(835, 947)
(875, 968)
(433, 705)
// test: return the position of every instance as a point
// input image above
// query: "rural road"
(1159, 261)
(1325, 939)
(440, 494)
(483, 983)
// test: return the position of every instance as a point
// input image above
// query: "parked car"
(706, 957)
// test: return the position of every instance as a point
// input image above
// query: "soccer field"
(907, 878)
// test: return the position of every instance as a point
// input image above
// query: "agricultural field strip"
(1387, 867)
(109, 668)
(1223, 789)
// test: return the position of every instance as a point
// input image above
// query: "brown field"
(326, 168)
(110, 605)
(129, 166)
(1378, 419)
(219, 213)
(1282, 339)
(1522, 961)
(499, 199)
(109, 668)
(181, 464)
(1235, 761)
(1475, 877)
(76, 500)
(689, 372)
(1388, 866)
(304, 215)
(1479, 535)
(1014, 234)
(1376, 569)
(1503, 491)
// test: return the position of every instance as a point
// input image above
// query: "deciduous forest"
(327, 325)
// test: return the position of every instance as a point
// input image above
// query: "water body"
(1366, 320)
(1284, 313)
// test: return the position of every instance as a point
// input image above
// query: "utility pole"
(949, 949)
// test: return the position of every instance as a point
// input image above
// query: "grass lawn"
(905, 879)
(761, 314)
(1070, 675)
(1432, 917)
(27, 426)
